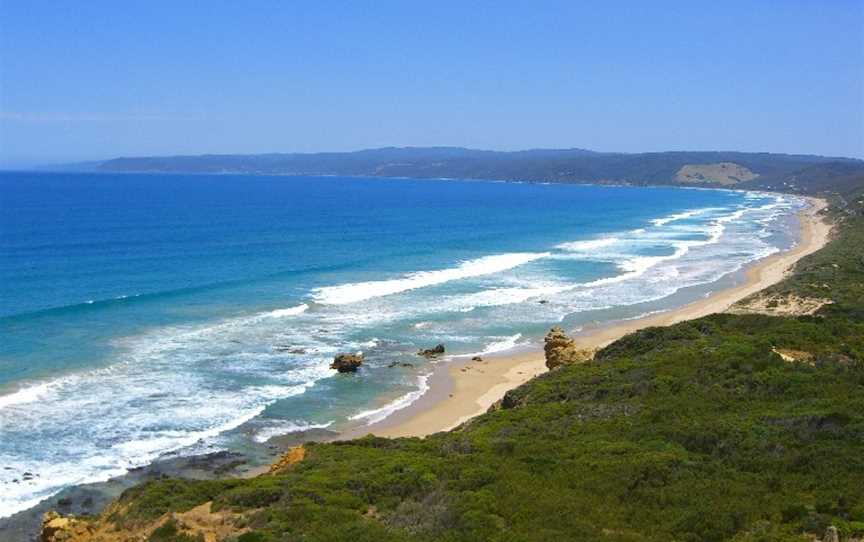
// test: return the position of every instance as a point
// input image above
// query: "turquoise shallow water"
(147, 314)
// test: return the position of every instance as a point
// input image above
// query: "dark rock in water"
(289, 349)
(223, 470)
(543, 301)
(400, 364)
(347, 363)
(214, 462)
(432, 352)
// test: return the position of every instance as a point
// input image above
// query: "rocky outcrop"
(347, 363)
(831, 535)
(289, 459)
(201, 523)
(562, 350)
(57, 528)
(432, 352)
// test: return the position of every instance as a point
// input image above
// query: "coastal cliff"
(730, 427)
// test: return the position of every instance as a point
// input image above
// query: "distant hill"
(712, 168)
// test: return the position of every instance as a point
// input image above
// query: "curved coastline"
(461, 390)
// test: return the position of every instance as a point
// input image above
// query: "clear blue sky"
(98, 79)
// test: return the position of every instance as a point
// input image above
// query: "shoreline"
(458, 390)
(461, 390)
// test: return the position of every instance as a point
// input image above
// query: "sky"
(100, 79)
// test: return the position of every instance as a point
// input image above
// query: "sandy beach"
(460, 390)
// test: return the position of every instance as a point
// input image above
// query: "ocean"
(144, 315)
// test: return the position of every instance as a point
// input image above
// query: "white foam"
(496, 297)
(144, 451)
(52, 477)
(172, 387)
(682, 216)
(507, 343)
(502, 345)
(371, 343)
(361, 291)
(290, 311)
(167, 392)
(26, 395)
(285, 427)
(377, 414)
(590, 244)
(634, 267)
(725, 245)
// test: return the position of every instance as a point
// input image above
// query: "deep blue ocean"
(148, 314)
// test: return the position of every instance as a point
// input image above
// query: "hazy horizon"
(95, 81)
(38, 165)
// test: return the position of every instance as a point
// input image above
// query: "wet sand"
(460, 390)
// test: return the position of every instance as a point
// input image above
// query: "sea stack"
(562, 350)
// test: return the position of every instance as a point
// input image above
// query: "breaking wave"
(361, 291)
(168, 389)
(377, 414)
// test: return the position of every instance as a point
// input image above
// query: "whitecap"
(27, 394)
(361, 291)
(590, 244)
(683, 216)
(290, 311)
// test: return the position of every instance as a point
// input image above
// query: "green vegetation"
(698, 431)
(788, 172)
(168, 532)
